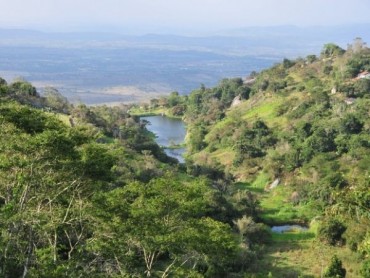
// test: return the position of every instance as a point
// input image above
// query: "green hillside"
(304, 125)
(86, 191)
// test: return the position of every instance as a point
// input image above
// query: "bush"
(365, 269)
(327, 69)
(56, 100)
(311, 58)
(3, 87)
(178, 110)
(28, 119)
(362, 87)
(23, 88)
(355, 236)
(351, 124)
(301, 110)
(252, 233)
(335, 180)
(331, 232)
(331, 50)
(335, 269)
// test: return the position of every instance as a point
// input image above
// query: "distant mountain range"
(278, 40)
(108, 64)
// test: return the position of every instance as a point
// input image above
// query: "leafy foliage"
(163, 223)
(73, 191)
(335, 269)
(331, 232)
(365, 270)
(70, 194)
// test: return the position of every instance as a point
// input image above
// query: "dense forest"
(86, 191)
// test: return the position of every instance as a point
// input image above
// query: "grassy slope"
(293, 253)
(300, 255)
(142, 112)
(290, 254)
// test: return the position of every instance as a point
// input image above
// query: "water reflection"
(169, 132)
(288, 228)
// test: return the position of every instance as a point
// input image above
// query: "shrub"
(331, 50)
(327, 69)
(331, 232)
(335, 180)
(362, 87)
(335, 269)
(252, 232)
(351, 124)
(311, 58)
(365, 269)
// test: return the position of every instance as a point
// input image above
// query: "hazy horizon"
(223, 39)
(181, 17)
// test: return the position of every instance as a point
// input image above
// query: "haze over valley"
(93, 67)
(187, 138)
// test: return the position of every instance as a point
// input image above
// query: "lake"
(169, 132)
(288, 228)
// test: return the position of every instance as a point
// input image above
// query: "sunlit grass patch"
(224, 156)
(293, 236)
(261, 181)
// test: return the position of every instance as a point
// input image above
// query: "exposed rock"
(236, 101)
(364, 74)
(249, 81)
(274, 184)
(349, 101)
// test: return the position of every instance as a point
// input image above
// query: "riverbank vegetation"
(86, 191)
(297, 136)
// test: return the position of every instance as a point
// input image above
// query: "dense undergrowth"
(86, 192)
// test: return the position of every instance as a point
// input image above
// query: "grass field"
(294, 253)
(139, 111)
(301, 255)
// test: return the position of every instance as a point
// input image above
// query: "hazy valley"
(249, 159)
(97, 67)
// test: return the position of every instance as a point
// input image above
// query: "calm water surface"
(168, 132)
(287, 228)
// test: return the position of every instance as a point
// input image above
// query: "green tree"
(196, 138)
(351, 124)
(288, 63)
(331, 50)
(311, 58)
(174, 99)
(331, 232)
(43, 197)
(335, 269)
(163, 223)
(3, 81)
(322, 140)
(362, 87)
(23, 88)
(56, 100)
(97, 161)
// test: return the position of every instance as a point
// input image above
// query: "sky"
(177, 16)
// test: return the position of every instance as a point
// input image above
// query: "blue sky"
(176, 16)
